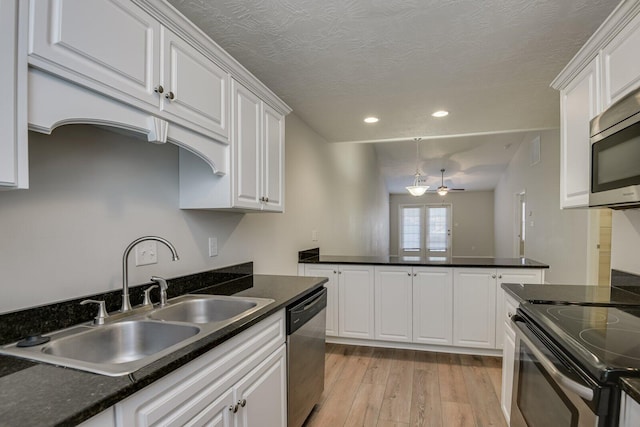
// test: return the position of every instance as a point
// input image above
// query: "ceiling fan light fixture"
(443, 191)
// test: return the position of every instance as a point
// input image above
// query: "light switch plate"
(146, 253)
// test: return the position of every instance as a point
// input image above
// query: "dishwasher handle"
(305, 310)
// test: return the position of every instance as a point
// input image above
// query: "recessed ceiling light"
(440, 113)
(371, 120)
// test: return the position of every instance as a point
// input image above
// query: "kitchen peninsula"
(438, 304)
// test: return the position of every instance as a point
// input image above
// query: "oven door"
(545, 391)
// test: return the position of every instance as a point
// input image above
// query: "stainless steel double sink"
(141, 336)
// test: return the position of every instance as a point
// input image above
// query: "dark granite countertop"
(571, 294)
(631, 386)
(426, 261)
(39, 394)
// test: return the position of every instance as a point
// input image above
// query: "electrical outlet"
(213, 246)
(146, 253)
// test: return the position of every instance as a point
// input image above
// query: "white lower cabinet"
(508, 353)
(330, 272)
(393, 303)
(242, 382)
(629, 412)
(474, 307)
(528, 276)
(356, 301)
(433, 305)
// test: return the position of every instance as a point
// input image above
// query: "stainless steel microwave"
(615, 155)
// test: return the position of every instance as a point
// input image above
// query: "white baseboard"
(414, 346)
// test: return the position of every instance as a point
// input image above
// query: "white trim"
(413, 346)
(615, 22)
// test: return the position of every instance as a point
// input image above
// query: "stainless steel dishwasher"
(306, 324)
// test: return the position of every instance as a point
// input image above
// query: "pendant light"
(419, 186)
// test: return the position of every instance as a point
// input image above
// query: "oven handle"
(579, 389)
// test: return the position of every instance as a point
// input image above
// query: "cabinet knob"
(409, 274)
(500, 276)
(339, 272)
(233, 408)
(242, 403)
(335, 272)
(158, 89)
(415, 274)
(493, 276)
(170, 96)
(509, 314)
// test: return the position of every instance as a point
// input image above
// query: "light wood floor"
(379, 387)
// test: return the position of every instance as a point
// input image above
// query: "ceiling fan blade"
(456, 189)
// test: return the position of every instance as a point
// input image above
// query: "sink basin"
(120, 342)
(204, 309)
(141, 337)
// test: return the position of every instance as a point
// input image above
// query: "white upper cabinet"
(605, 69)
(272, 159)
(246, 148)
(14, 161)
(621, 63)
(579, 103)
(142, 63)
(195, 88)
(116, 52)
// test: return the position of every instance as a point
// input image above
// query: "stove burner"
(583, 314)
(621, 342)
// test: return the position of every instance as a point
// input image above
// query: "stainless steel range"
(568, 363)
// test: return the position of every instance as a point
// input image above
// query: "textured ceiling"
(335, 62)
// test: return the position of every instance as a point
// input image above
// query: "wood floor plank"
(337, 405)
(365, 409)
(378, 372)
(494, 368)
(484, 401)
(452, 385)
(426, 409)
(457, 415)
(372, 387)
(391, 424)
(396, 405)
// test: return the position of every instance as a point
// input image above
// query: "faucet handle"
(102, 311)
(147, 297)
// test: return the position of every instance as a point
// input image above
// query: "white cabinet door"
(14, 159)
(621, 63)
(507, 275)
(272, 159)
(195, 89)
(356, 300)
(433, 305)
(219, 413)
(246, 147)
(393, 303)
(507, 375)
(262, 395)
(474, 307)
(579, 103)
(101, 43)
(331, 272)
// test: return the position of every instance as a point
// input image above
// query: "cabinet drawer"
(186, 392)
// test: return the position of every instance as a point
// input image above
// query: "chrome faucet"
(126, 304)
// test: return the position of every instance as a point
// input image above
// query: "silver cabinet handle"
(500, 276)
(102, 311)
(170, 96)
(233, 408)
(409, 274)
(335, 272)
(158, 89)
(509, 314)
(579, 389)
(242, 403)
(493, 276)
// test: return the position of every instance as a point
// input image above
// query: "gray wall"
(94, 191)
(472, 220)
(553, 236)
(625, 240)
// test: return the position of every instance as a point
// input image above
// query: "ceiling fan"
(443, 189)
